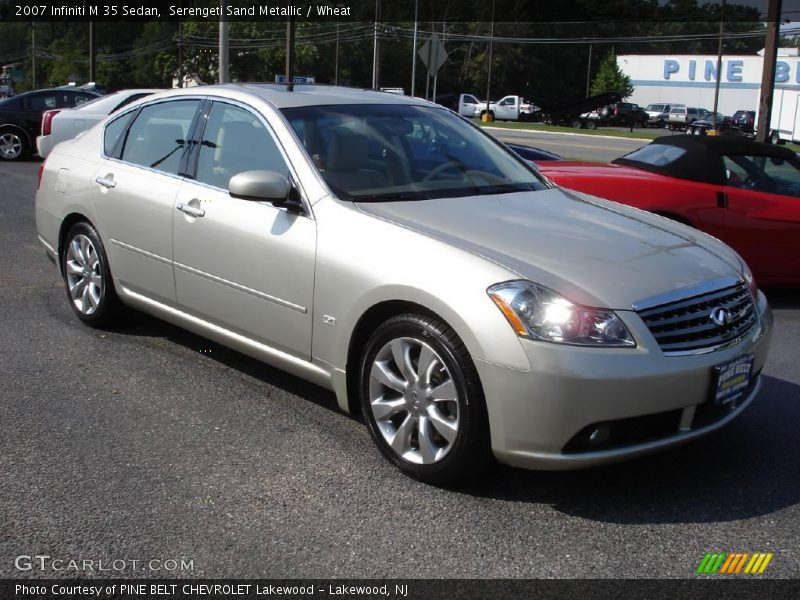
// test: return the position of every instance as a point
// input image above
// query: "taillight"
(41, 172)
(47, 121)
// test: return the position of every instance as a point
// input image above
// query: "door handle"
(190, 210)
(105, 182)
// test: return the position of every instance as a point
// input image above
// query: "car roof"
(702, 159)
(303, 95)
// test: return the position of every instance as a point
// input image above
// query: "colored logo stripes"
(735, 562)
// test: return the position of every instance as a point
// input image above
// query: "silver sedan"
(389, 250)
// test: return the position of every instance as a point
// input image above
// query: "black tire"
(14, 144)
(591, 124)
(577, 124)
(775, 138)
(107, 305)
(469, 452)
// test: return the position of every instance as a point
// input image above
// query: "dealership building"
(690, 79)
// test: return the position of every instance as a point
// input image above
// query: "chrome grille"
(685, 325)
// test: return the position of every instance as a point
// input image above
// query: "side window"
(114, 131)
(43, 102)
(773, 175)
(157, 137)
(235, 141)
(79, 99)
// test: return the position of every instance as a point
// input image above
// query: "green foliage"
(610, 79)
(139, 54)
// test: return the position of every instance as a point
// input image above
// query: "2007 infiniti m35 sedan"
(389, 250)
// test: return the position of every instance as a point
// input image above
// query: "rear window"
(657, 155)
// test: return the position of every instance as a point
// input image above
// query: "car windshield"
(405, 152)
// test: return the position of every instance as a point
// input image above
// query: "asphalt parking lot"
(149, 443)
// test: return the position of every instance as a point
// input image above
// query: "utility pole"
(589, 71)
(180, 52)
(92, 59)
(768, 73)
(414, 49)
(33, 55)
(336, 56)
(714, 125)
(290, 24)
(376, 51)
(223, 43)
(489, 70)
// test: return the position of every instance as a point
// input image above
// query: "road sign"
(432, 54)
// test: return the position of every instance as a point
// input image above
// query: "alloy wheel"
(10, 146)
(84, 276)
(414, 400)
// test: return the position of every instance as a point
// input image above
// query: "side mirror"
(265, 186)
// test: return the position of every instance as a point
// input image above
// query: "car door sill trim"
(242, 288)
(277, 358)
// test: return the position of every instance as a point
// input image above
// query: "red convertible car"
(742, 192)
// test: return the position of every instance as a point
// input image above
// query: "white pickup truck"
(509, 108)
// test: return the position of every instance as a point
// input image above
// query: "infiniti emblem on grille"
(720, 316)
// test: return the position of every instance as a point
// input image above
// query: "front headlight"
(537, 312)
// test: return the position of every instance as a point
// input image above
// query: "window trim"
(138, 108)
(197, 136)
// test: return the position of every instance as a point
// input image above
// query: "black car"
(21, 117)
(624, 113)
(744, 120)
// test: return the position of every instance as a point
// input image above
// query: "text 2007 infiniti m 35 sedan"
(387, 249)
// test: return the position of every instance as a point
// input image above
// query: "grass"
(640, 134)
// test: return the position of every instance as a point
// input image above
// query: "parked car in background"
(624, 114)
(431, 278)
(465, 105)
(21, 117)
(682, 117)
(62, 124)
(509, 108)
(658, 114)
(742, 192)
(701, 126)
(745, 120)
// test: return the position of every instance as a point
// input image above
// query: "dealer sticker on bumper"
(732, 379)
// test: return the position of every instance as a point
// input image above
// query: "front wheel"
(422, 400)
(87, 278)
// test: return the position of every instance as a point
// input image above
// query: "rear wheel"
(13, 145)
(775, 138)
(591, 124)
(87, 278)
(422, 400)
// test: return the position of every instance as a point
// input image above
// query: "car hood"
(593, 251)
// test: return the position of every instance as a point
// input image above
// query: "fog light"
(600, 435)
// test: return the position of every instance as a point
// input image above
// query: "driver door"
(762, 219)
(506, 109)
(244, 265)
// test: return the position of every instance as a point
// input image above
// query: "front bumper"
(535, 416)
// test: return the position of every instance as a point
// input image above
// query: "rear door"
(134, 190)
(762, 220)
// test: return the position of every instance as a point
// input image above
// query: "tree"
(610, 79)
